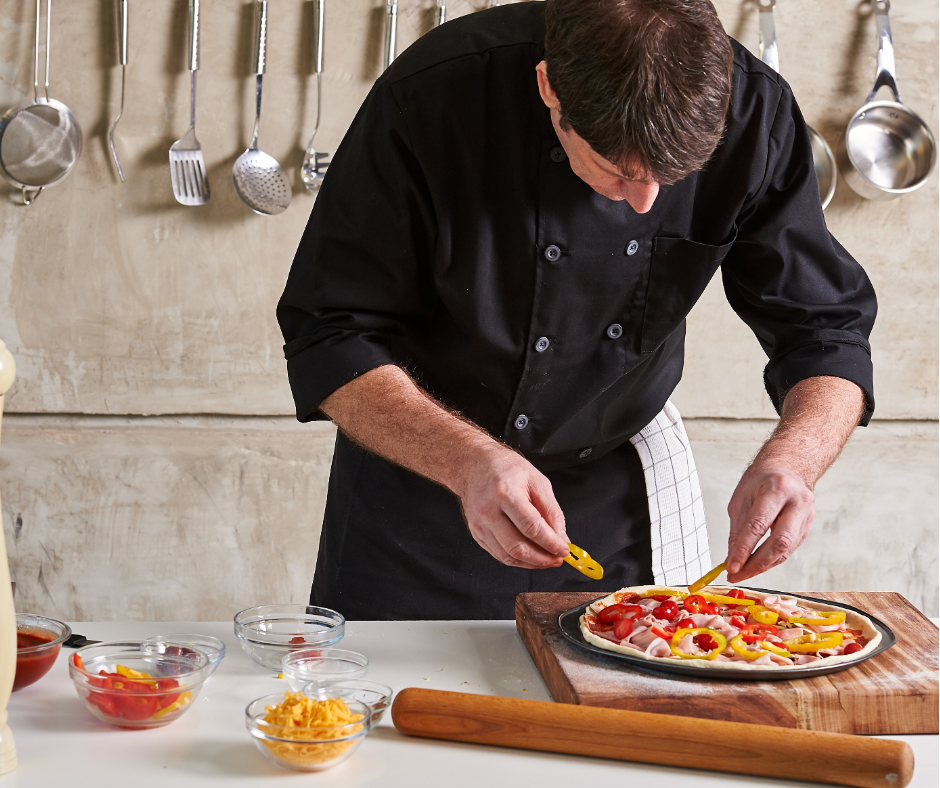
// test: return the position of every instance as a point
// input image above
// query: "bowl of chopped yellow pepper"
(307, 734)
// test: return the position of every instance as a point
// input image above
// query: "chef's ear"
(545, 87)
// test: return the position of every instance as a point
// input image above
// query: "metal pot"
(887, 149)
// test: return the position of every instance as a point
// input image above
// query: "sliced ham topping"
(644, 638)
(687, 645)
(795, 632)
(804, 659)
(658, 648)
(782, 606)
(770, 658)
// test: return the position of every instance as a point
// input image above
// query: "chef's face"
(592, 168)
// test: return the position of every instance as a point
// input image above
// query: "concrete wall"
(128, 313)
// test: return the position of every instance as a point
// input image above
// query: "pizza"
(725, 628)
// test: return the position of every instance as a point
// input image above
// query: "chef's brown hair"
(646, 83)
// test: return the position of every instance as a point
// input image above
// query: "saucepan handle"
(261, 41)
(768, 36)
(320, 11)
(122, 30)
(885, 74)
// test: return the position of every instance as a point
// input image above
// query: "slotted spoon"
(315, 164)
(187, 167)
(259, 179)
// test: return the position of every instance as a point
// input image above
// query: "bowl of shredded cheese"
(307, 734)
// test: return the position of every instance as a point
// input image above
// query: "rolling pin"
(737, 747)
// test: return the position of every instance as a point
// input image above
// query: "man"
(490, 299)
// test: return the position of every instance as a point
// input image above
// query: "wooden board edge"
(546, 661)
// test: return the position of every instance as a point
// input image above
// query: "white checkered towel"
(677, 514)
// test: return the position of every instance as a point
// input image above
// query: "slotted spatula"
(187, 167)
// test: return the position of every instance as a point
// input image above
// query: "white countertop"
(59, 742)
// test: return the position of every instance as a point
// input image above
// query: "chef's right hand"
(511, 510)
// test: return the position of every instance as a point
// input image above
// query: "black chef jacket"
(452, 238)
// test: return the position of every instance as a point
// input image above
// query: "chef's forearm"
(817, 419)
(386, 412)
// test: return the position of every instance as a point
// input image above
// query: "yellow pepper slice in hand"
(583, 562)
(665, 592)
(707, 578)
(741, 649)
(720, 639)
(762, 615)
(825, 618)
(812, 642)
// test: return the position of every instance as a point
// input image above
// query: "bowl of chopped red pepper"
(125, 685)
(38, 642)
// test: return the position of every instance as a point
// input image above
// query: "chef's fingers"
(786, 534)
(519, 507)
(501, 538)
(543, 498)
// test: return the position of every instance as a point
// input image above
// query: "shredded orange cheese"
(300, 717)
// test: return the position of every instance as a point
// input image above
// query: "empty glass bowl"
(268, 632)
(306, 749)
(176, 645)
(322, 665)
(38, 642)
(376, 696)
(140, 689)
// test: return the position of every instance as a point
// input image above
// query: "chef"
(489, 301)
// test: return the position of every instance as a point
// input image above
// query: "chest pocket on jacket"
(680, 269)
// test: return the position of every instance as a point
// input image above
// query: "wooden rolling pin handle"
(663, 739)
(7, 612)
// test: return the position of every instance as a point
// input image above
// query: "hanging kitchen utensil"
(40, 139)
(122, 45)
(824, 162)
(441, 16)
(187, 166)
(315, 164)
(391, 31)
(887, 149)
(259, 179)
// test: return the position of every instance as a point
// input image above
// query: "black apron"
(395, 545)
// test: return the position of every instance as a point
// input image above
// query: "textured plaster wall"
(118, 302)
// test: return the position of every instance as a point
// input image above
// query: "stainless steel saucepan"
(887, 149)
(823, 160)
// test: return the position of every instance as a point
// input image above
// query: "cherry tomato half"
(686, 623)
(693, 603)
(851, 648)
(623, 628)
(659, 597)
(616, 612)
(667, 611)
(705, 642)
(711, 608)
(737, 621)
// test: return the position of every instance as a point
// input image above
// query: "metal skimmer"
(187, 167)
(259, 179)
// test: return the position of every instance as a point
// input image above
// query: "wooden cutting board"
(895, 692)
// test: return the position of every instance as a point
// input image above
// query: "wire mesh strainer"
(40, 139)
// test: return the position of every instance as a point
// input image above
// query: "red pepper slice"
(770, 629)
(618, 611)
(664, 632)
(623, 628)
(659, 597)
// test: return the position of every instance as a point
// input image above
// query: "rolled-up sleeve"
(810, 304)
(361, 271)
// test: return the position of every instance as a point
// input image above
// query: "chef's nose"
(640, 194)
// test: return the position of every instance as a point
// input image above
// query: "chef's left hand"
(769, 498)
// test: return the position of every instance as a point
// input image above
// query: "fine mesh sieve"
(40, 139)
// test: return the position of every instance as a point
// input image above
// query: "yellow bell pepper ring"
(716, 636)
(583, 562)
(762, 615)
(671, 592)
(718, 599)
(740, 648)
(825, 618)
(812, 642)
(707, 578)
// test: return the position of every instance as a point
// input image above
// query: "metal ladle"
(315, 164)
(887, 149)
(259, 179)
(823, 160)
(122, 45)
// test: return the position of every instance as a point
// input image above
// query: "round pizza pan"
(569, 626)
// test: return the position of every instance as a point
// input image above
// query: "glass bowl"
(38, 642)
(145, 689)
(268, 632)
(376, 696)
(322, 665)
(306, 749)
(176, 645)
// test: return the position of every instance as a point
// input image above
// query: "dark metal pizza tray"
(569, 626)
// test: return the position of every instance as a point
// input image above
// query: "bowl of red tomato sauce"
(127, 686)
(38, 642)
